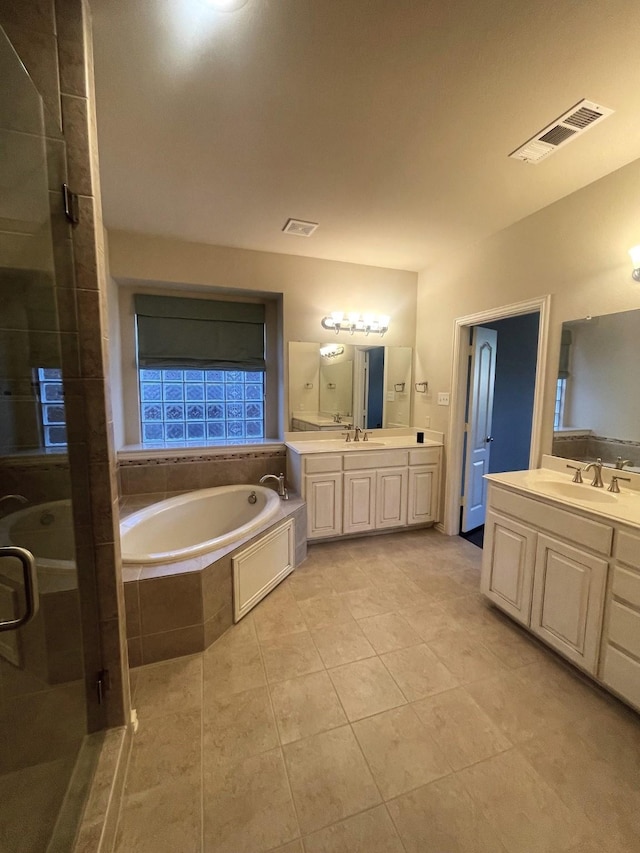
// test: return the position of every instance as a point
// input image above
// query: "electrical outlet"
(443, 398)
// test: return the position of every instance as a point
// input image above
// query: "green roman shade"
(200, 334)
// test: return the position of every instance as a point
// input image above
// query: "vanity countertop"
(376, 442)
(557, 487)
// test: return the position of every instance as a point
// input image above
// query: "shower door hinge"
(70, 201)
(102, 684)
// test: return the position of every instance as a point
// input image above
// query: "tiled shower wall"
(53, 40)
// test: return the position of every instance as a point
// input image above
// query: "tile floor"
(374, 704)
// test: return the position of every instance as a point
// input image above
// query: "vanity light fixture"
(635, 260)
(331, 350)
(351, 322)
(226, 5)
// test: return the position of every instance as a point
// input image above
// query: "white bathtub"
(47, 531)
(195, 523)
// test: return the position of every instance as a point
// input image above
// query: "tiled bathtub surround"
(374, 704)
(154, 474)
(589, 447)
(181, 608)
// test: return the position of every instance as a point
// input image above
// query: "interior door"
(482, 373)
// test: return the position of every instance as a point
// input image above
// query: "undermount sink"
(576, 491)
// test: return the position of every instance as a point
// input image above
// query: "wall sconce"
(331, 350)
(399, 386)
(353, 322)
(421, 387)
(635, 260)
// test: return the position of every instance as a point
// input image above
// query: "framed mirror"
(597, 411)
(339, 384)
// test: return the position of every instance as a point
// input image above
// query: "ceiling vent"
(574, 122)
(300, 228)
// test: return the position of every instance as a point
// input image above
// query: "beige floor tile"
(277, 617)
(347, 578)
(468, 610)
(169, 687)
(464, 656)
(367, 602)
(238, 725)
(527, 813)
(437, 585)
(289, 656)
(329, 778)
(513, 647)
(342, 643)
(165, 748)
(305, 706)
(309, 584)
(365, 688)
(232, 666)
(418, 672)
(380, 571)
(460, 727)
(404, 594)
(427, 620)
(517, 705)
(294, 847)
(325, 610)
(247, 806)
(161, 820)
(442, 818)
(368, 832)
(400, 751)
(388, 632)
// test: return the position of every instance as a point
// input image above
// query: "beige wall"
(311, 288)
(576, 250)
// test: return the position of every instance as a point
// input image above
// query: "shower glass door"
(43, 719)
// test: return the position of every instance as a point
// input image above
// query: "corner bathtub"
(195, 523)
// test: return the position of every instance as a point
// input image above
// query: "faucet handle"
(348, 434)
(365, 437)
(614, 487)
(577, 477)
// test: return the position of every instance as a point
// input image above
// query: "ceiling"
(388, 122)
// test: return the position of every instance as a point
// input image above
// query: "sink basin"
(577, 492)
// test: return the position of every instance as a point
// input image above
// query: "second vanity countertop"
(375, 442)
(555, 486)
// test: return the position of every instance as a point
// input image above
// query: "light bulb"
(226, 5)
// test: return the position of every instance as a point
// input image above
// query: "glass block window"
(195, 406)
(51, 395)
(558, 418)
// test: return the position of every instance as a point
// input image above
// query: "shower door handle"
(30, 577)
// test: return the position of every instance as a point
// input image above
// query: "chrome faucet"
(597, 472)
(337, 418)
(279, 478)
(620, 463)
(357, 435)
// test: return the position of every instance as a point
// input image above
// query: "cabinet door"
(508, 559)
(359, 501)
(391, 498)
(324, 505)
(423, 494)
(568, 596)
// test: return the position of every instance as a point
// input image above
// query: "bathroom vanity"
(563, 559)
(386, 483)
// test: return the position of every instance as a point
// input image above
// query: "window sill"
(211, 449)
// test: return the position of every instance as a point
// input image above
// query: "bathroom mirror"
(335, 384)
(597, 401)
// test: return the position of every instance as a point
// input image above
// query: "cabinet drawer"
(626, 585)
(622, 674)
(424, 456)
(575, 528)
(628, 549)
(322, 464)
(375, 459)
(624, 628)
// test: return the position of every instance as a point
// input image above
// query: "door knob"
(488, 439)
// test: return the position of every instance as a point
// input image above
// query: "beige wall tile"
(172, 644)
(170, 602)
(217, 589)
(132, 608)
(215, 627)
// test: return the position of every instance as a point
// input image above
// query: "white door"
(478, 433)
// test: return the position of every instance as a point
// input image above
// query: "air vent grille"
(300, 228)
(580, 118)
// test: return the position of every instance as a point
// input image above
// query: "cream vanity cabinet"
(359, 491)
(620, 667)
(547, 568)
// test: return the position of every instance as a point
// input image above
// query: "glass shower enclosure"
(43, 698)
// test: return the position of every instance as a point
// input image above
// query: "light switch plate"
(443, 398)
